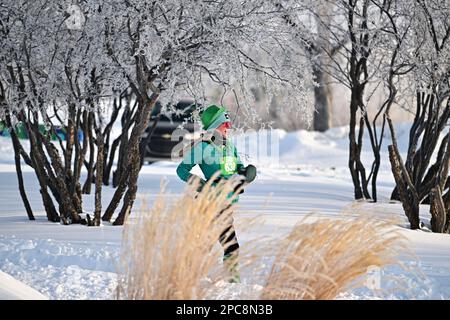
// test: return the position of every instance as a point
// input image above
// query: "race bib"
(228, 165)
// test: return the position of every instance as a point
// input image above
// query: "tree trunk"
(117, 105)
(70, 139)
(353, 151)
(67, 209)
(121, 167)
(128, 118)
(322, 97)
(131, 160)
(75, 188)
(437, 211)
(409, 202)
(22, 191)
(16, 145)
(114, 203)
(109, 165)
(90, 168)
(36, 156)
(130, 195)
(80, 155)
(99, 178)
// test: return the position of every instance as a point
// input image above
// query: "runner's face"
(223, 129)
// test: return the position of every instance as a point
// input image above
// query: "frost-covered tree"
(349, 37)
(377, 47)
(54, 73)
(425, 61)
(313, 26)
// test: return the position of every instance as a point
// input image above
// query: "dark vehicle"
(159, 145)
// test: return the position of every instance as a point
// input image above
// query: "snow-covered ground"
(12, 289)
(77, 262)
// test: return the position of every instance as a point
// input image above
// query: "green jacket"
(210, 158)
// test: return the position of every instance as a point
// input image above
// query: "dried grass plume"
(169, 250)
(321, 259)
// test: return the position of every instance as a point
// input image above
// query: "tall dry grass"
(319, 260)
(169, 250)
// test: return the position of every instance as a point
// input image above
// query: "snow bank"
(12, 289)
(328, 148)
(62, 269)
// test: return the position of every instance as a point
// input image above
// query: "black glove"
(249, 172)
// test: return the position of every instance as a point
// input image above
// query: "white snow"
(12, 289)
(77, 262)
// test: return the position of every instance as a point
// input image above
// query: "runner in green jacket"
(213, 156)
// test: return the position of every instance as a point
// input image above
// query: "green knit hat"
(213, 116)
